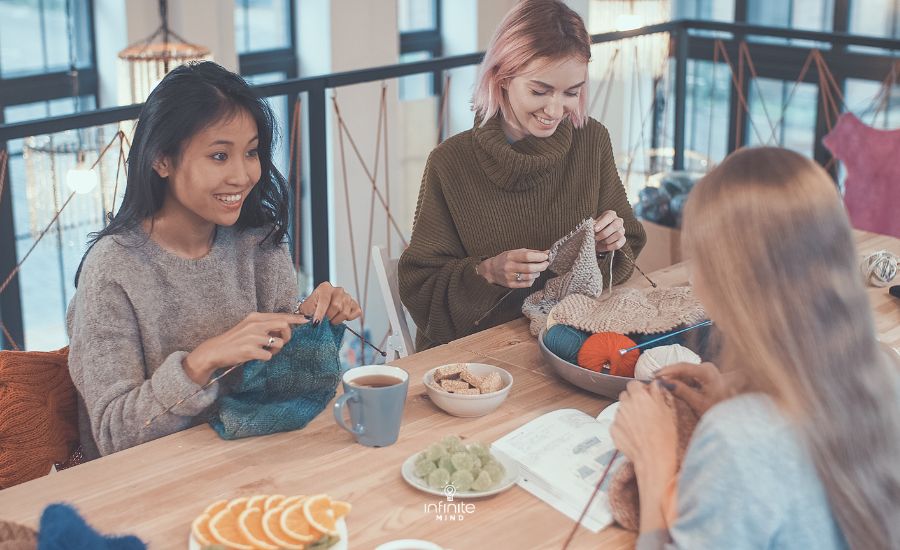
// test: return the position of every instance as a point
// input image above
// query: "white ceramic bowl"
(470, 406)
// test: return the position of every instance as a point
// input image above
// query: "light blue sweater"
(747, 482)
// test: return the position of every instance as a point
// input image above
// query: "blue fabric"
(286, 392)
(63, 529)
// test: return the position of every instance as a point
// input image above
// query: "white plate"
(341, 526)
(408, 470)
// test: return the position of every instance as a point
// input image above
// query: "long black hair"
(189, 99)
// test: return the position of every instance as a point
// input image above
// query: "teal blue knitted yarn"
(286, 392)
(565, 341)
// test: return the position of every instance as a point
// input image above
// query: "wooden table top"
(156, 489)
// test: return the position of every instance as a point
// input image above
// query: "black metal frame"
(20, 91)
(429, 41)
(770, 61)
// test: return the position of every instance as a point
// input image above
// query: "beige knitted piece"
(628, 310)
(576, 295)
(14, 536)
(574, 259)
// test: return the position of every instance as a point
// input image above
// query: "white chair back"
(400, 342)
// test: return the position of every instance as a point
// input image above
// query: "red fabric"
(872, 187)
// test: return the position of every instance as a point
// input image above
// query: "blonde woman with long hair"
(799, 442)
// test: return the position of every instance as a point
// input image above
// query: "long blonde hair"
(767, 232)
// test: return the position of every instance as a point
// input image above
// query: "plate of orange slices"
(272, 522)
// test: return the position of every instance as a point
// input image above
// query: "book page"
(562, 455)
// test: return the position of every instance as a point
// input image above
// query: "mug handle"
(351, 395)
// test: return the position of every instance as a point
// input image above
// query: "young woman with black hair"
(192, 274)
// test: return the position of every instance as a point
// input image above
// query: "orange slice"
(250, 525)
(317, 510)
(273, 530)
(295, 524)
(290, 501)
(340, 508)
(200, 530)
(215, 507)
(257, 501)
(238, 505)
(224, 529)
(273, 502)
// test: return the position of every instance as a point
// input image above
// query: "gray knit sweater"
(747, 482)
(139, 310)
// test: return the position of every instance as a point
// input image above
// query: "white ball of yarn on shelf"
(656, 358)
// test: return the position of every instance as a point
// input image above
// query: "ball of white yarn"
(656, 358)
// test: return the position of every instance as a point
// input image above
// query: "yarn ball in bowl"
(602, 349)
(656, 358)
(565, 341)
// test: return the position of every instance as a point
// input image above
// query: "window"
(39, 41)
(264, 37)
(419, 23)
(32, 36)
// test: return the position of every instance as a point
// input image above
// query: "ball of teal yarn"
(565, 341)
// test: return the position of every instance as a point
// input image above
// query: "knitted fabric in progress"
(624, 500)
(286, 392)
(627, 310)
(575, 295)
(574, 259)
(38, 416)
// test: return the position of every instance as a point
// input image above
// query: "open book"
(561, 456)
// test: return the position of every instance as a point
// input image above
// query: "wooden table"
(156, 489)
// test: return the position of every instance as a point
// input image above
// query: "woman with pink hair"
(496, 197)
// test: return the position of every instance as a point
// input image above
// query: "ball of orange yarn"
(603, 348)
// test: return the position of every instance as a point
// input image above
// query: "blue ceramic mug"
(375, 395)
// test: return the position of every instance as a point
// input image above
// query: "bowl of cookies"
(468, 389)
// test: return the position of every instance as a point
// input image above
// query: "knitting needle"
(230, 369)
(663, 337)
(366, 342)
(636, 266)
(493, 307)
(203, 387)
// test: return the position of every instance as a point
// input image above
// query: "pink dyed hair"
(533, 29)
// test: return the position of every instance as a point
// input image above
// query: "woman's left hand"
(644, 431)
(609, 232)
(330, 301)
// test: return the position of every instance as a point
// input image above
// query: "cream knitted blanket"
(576, 295)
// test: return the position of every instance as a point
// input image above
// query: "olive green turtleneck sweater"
(482, 196)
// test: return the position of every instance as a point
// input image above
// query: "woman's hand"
(700, 386)
(609, 232)
(514, 268)
(644, 431)
(332, 302)
(258, 336)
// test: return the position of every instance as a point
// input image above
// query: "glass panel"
(279, 105)
(706, 112)
(874, 18)
(416, 15)
(716, 10)
(34, 36)
(416, 86)
(797, 129)
(873, 104)
(262, 25)
(812, 15)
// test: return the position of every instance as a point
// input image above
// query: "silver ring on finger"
(518, 277)
(270, 343)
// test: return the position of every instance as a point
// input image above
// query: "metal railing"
(690, 40)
